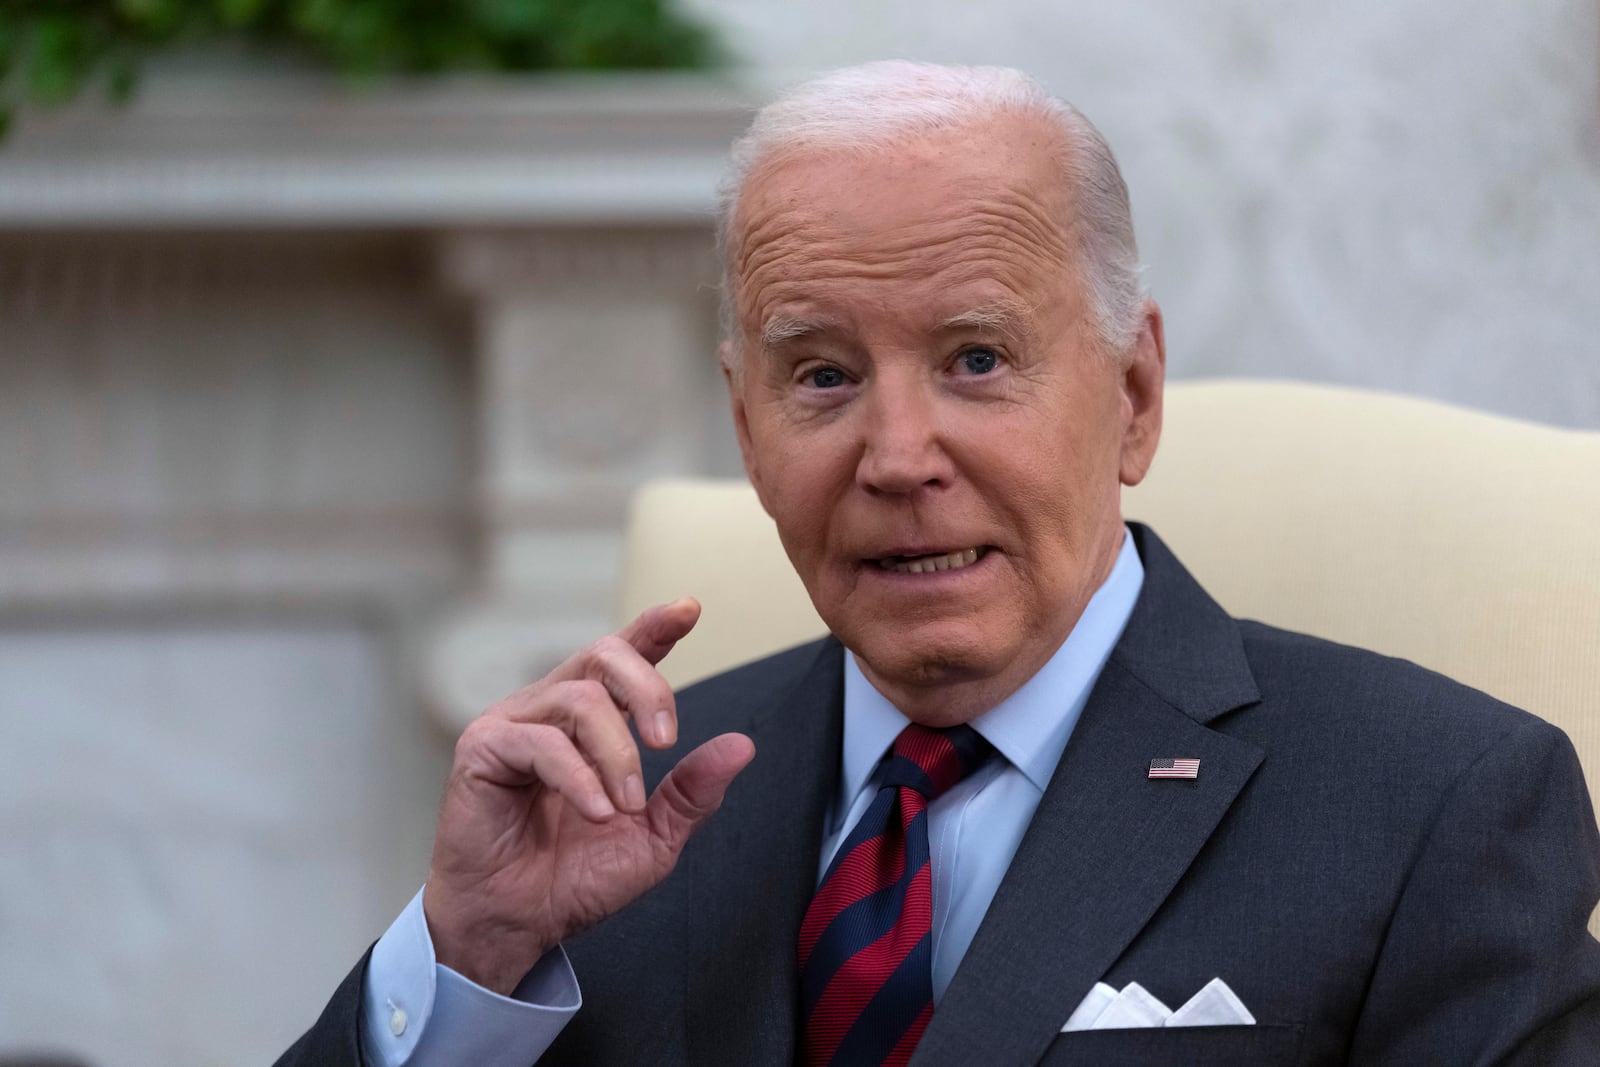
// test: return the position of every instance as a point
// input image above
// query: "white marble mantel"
(558, 228)
(281, 150)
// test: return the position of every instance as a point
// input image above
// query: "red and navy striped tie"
(866, 947)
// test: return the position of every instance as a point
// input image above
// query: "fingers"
(587, 701)
(602, 737)
(637, 689)
(516, 754)
(694, 789)
(657, 629)
(583, 712)
(643, 691)
(625, 663)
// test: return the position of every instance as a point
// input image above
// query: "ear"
(1143, 381)
(735, 380)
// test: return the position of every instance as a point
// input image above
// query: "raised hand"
(545, 829)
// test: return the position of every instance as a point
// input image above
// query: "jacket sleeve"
(334, 1040)
(1487, 958)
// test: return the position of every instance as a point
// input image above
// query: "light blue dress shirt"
(419, 1013)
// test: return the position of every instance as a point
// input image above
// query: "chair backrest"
(1466, 542)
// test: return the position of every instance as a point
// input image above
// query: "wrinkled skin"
(919, 375)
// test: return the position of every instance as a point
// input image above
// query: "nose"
(902, 449)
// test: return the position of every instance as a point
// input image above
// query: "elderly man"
(1037, 798)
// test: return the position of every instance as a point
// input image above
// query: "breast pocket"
(1188, 1046)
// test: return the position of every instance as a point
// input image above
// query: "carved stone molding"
(595, 371)
(678, 260)
(234, 420)
(283, 150)
(280, 250)
(115, 273)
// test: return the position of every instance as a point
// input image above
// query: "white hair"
(877, 104)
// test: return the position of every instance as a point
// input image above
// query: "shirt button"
(397, 1022)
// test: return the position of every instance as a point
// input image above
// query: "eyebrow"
(1007, 318)
(781, 328)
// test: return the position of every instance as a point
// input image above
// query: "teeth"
(953, 561)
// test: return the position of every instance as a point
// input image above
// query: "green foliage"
(51, 50)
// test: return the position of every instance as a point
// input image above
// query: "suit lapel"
(1107, 844)
(755, 872)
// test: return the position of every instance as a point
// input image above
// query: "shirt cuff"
(419, 1013)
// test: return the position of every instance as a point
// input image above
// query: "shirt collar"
(1031, 726)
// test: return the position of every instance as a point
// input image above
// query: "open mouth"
(943, 561)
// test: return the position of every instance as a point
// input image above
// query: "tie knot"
(931, 761)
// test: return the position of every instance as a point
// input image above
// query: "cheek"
(1055, 487)
(801, 478)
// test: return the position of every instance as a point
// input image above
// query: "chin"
(918, 661)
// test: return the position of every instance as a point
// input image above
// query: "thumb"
(693, 790)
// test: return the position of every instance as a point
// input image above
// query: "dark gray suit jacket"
(1385, 866)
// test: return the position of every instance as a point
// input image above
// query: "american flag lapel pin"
(1174, 768)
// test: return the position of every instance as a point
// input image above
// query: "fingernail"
(601, 806)
(664, 727)
(633, 792)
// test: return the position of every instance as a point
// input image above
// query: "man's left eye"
(979, 360)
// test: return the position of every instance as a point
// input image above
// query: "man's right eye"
(827, 378)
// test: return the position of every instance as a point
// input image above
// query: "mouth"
(929, 562)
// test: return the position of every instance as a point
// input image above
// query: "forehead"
(918, 227)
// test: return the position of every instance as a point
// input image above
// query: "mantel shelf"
(292, 150)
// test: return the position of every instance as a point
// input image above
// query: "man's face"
(924, 410)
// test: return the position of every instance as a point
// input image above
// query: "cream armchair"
(1465, 542)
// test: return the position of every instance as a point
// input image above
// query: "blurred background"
(334, 335)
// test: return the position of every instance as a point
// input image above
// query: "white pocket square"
(1134, 1007)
